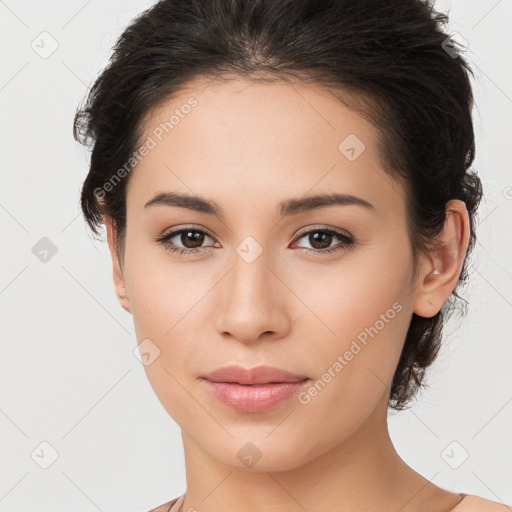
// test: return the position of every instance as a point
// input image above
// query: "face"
(322, 292)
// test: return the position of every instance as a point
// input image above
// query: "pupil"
(193, 236)
(317, 235)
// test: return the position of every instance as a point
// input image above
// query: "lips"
(254, 376)
(255, 398)
(256, 390)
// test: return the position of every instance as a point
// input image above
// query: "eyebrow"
(286, 208)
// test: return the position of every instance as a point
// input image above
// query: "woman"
(289, 206)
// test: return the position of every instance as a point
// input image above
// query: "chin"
(259, 455)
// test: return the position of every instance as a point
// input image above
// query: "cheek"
(367, 347)
(365, 306)
(357, 298)
(163, 312)
(166, 301)
(160, 293)
(354, 374)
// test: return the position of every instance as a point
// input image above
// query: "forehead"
(246, 139)
(256, 112)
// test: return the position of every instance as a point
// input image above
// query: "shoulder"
(471, 503)
(166, 506)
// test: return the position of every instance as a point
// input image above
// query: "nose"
(252, 303)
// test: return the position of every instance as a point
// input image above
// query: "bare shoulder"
(472, 503)
(165, 507)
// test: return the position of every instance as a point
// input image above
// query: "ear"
(441, 270)
(119, 283)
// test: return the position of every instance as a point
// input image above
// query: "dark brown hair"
(391, 61)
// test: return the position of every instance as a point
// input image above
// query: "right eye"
(191, 237)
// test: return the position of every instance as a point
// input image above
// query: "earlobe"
(117, 272)
(441, 272)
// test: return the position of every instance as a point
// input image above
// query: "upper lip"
(258, 375)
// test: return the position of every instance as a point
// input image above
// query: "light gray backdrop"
(80, 426)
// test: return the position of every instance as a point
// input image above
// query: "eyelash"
(347, 241)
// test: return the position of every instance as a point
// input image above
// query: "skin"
(248, 146)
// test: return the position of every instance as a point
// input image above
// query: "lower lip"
(257, 398)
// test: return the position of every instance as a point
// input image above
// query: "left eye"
(192, 239)
(324, 237)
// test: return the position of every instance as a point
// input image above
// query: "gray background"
(68, 376)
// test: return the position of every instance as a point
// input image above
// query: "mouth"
(254, 398)
(259, 385)
(259, 375)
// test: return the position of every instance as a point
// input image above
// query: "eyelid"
(306, 230)
(176, 230)
(323, 228)
(347, 241)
